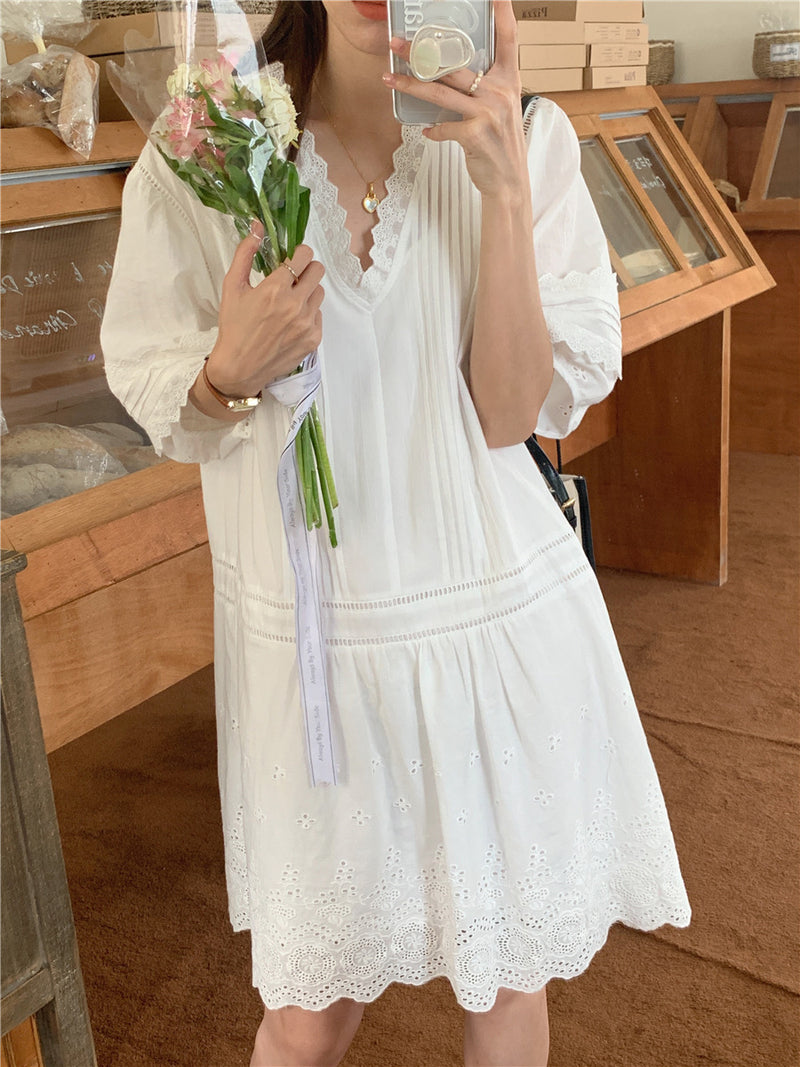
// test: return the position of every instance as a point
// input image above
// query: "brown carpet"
(716, 675)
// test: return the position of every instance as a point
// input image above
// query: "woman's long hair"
(296, 37)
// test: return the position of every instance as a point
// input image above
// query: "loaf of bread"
(56, 89)
(46, 461)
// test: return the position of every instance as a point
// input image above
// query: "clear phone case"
(406, 17)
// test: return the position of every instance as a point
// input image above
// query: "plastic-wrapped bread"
(56, 89)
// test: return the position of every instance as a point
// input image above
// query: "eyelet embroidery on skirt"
(518, 922)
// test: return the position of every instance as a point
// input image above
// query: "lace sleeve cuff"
(159, 401)
(582, 316)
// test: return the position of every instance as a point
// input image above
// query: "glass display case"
(636, 252)
(63, 431)
(114, 537)
(655, 453)
(784, 181)
(776, 181)
(674, 246)
(747, 136)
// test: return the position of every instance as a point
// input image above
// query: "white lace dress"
(497, 806)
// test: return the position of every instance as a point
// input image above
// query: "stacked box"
(578, 10)
(581, 44)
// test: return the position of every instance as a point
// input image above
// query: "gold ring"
(475, 84)
(293, 273)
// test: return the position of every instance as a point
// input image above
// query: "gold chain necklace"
(371, 199)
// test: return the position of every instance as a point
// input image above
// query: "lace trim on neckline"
(391, 211)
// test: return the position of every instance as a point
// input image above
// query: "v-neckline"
(391, 212)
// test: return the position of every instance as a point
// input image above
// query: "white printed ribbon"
(298, 391)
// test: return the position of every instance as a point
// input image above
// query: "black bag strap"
(554, 481)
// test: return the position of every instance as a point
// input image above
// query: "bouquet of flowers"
(225, 130)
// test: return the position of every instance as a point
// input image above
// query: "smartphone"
(422, 22)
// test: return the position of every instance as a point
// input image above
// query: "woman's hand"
(265, 330)
(491, 129)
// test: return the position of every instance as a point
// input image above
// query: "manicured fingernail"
(396, 44)
(389, 78)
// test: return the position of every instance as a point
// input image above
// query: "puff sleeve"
(161, 313)
(576, 283)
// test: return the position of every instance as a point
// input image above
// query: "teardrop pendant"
(370, 201)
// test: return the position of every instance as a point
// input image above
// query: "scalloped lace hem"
(477, 1000)
(498, 919)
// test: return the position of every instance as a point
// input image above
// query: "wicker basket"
(777, 54)
(106, 9)
(661, 65)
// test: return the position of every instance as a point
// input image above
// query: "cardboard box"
(551, 81)
(579, 10)
(544, 32)
(108, 35)
(551, 56)
(618, 55)
(106, 38)
(172, 27)
(615, 33)
(614, 77)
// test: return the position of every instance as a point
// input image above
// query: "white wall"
(714, 38)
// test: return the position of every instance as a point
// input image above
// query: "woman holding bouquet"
(496, 808)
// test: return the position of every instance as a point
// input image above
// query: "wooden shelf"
(34, 148)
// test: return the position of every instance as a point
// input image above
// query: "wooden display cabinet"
(656, 452)
(747, 135)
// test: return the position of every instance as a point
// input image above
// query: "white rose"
(181, 78)
(278, 113)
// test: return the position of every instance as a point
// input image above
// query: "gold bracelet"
(231, 403)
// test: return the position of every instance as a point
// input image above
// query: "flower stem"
(321, 450)
(299, 456)
(324, 470)
(270, 231)
(310, 490)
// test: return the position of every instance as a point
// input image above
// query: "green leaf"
(303, 213)
(238, 179)
(222, 122)
(292, 209)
